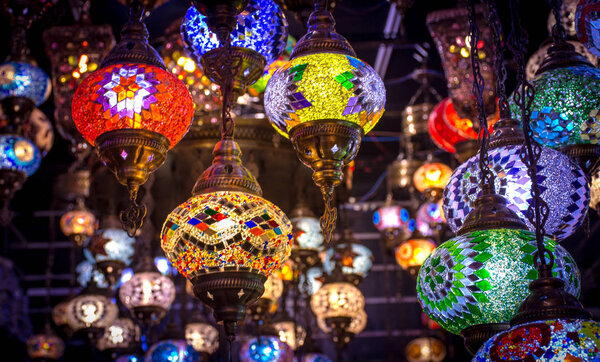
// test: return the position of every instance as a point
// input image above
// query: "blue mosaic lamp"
(24, 79)
(258, 37)
(172, 350)
(266, 348)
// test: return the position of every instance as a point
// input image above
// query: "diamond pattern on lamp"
(562, 184)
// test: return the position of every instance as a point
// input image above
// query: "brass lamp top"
(561, 55)
(227, 173)
(507, 131)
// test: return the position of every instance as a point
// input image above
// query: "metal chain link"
(499, 68)
(538, 210)
(487, 179)
(559, 33)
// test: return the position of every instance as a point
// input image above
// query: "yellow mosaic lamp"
(324, 100)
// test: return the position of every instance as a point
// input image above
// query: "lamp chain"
(499, 68)
(226, 73)
(487, 179)
(530, 154)
(558, 31)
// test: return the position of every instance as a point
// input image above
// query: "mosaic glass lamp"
(133, 111)
(308, 239)
(227, 239)
(430, 217)
(87, 273)
(289, 331)
(474, 283)
(78, 223)
(595, 192)
(266, 348)
(148, 294)
(264, 304)
(24, 80)
(111, 249)
(45, 347)
(74, 52)
(311, 280)
(168, 350)
(19, 159)
(37, 128)
(536, 60)
(449, 29)
(587, 17)
(551, 325)
(342, 336)
(122, 334)
(91, 311)
(393, 222)
(324, 100)
(260, 27)
(565, 105)
(411, 254)
(337, 302)
(425, 349)
(202, 336)
(431, 179)
(355, 258)
(562, 183)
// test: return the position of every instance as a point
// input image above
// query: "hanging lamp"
(91, 312)
(202, 336)
(268, 300)
(226, 239)
(324, 99)
(474, 283)
(120, 336)
(341, 337)
(586, 18)
(45, 347)
(79, 223)
(355, 258)
(551, 323)
(133, 111)
(565, 107)
(172, 346)
(308, 238)
(258, 37)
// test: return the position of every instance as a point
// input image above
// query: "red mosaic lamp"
(133, 111)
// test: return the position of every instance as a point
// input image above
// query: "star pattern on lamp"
(126, 92)
(97, 244)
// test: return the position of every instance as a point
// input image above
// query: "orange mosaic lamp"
(133, 111)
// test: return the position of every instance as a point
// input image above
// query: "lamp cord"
(499, 68)
(530, 154)
(486, 181)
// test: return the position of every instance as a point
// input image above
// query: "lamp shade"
(565, 106)
(449, 29)
(87, 272)
(432, 175)
(148, 289)
(23, 79)
(314, 357)
(45, 346)
(227, 230)
(586, 24)
(290, 333)
(337, 299)
(562, 184)
(307, 232)
(172, 350)
(311, 281)
(430, 216)
(91, 311)
(411, 254)
(202, 336)
(482, 277)
(595, 192)
(425, 349)
(132, 96)
(357, 259)
(266, 348)
(324, 86)
(556, 340)
(110, 244)
(391, 217)
(78, 224)
(262, 27)
(19, 154)
(119, 335)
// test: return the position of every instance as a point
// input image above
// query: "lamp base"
(228, 294)
(475, 336)
(587, 156)
(111, 269)
(246, 68)
(339, 331)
